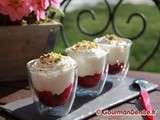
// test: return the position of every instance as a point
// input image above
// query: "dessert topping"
(51, 58)
(85, 45)
(113, 39)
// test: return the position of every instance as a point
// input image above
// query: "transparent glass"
(118, 59)
(95, 90)
(92, 73)
(121, 75)
(53, 91)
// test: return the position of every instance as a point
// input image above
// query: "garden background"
(141, 47)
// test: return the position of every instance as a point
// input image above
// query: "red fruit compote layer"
(91, 60)
(53, 78)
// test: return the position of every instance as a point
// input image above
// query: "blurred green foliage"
(141, 47)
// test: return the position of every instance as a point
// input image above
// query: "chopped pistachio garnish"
(112, 37)
(50, 58)
(85, 45)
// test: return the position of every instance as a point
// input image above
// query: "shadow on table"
(30, 112)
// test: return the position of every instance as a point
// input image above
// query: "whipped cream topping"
(119, 48)
(90, 58)
(52, 72)
(84, 47)
(53, 61)
(112, 40)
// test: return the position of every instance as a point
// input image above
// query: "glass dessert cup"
(118, 57)
(92, 69)
(53, 91)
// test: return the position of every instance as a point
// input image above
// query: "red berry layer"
(89, 81)
(47, 98)
(116, 68)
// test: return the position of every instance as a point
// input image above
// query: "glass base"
(57, 111)
(92, 91)
(115, 77)
(119, 76)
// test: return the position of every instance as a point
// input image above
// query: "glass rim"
(30, 68)
(129, 42)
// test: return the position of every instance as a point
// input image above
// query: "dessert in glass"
(119, 50)
(92, 67)
(53, 79)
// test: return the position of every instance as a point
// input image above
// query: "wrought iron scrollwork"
(112, 20)
(128, 21)
(157, 3)
(64, 38)
(141, 16)
(157, 46)
(92, 14)
(155, 49)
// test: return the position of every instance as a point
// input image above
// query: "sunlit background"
(142, 46)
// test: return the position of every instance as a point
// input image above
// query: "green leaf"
(57, 11)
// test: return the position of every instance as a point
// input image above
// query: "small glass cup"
(44, 82)
(118, 58)
(92, 73)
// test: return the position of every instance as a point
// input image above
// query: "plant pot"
(19, 44)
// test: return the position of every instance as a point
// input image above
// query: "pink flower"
(16, 9)
(55, 3)
(2, 10)
(39, 6)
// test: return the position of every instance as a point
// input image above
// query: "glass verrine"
(53, 85)
(92, 67)
(118, 57)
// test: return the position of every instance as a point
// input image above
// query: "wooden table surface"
(16, 92)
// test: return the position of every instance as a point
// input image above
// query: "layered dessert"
(91, 60)
(119, 49)
(53, 78)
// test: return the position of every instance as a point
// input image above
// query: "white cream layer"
(54, 78)
(89, 61)
(118, 52)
